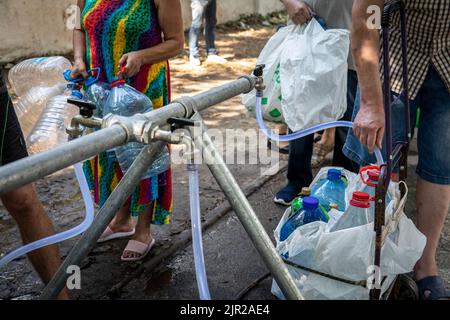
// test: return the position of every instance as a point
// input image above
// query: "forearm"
(365, 50)
(164, 51)
(79, 45)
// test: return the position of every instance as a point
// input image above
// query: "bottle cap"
(373, 175)
(310, 203)
(334, 206)
(306, 191)
(297, 204)
(334, 174)
(360, 199)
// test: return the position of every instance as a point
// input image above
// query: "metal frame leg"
(246, 215)
(115, 201)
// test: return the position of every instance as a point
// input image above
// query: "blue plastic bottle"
(310, 213)
(331, 190)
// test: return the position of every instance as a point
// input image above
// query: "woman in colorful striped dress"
(139, 35)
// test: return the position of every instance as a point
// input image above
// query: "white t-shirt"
(337, 15)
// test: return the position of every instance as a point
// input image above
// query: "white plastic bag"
(314, 76)
(347, 254)
(270, 57)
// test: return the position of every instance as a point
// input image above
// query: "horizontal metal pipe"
(38, 166)
(27, 170)
(115, 201)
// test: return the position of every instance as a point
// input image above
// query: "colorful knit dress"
(113, 28)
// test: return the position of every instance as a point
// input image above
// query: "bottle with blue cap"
(331, 190)
(50, 130)
(310, 212)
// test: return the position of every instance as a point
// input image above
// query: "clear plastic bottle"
(357, 214)
(331, 190)
(126, 101)
(45, 71)
(310, 213)
(30, 106)
(50, 130)
(97, 93)
(370, 188)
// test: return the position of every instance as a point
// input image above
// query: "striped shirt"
(428, 29)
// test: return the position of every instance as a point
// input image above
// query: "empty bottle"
(30, 106)
(97, 93)
(124, 100)
(297, 204)
(331, 190)
(370, 187)
(50, 130)
(357, 214)
(46, 71)
(310, 213)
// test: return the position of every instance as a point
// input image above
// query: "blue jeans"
(433, 135)
(200, 9)
(301, 150)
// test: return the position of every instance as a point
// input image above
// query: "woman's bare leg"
(122, 222)
(143, 232)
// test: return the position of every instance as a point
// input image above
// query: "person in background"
(336, 14)
(141, 35)
(23, 203)
(428, 29)
(204, 10)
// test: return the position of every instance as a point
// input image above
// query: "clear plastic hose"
(305, 132)
(196, 224)
(89, 218)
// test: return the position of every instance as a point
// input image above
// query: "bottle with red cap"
(357, 214)
(126, 101)
(371, 184)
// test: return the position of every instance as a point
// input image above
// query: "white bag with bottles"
(347, 256)
(314, 76)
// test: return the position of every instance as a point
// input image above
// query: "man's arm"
(299, 12)
(369, 124)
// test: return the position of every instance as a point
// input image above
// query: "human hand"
(79, 69)
(299, 12)
(132, 63)
(369, 125)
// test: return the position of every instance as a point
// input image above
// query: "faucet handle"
(86, 107)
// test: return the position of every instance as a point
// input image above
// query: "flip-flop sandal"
(137, 247)
(435, 285)
(109, 234)
(320, 152)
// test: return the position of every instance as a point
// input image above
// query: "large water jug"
(331, 190)
(50, 130)
(310, 213)
(124, 100)
(45, 71)
(30, 106)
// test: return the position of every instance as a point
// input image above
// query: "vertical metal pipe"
(247, 216)
(116, 200)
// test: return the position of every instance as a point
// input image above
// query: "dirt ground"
(240, 43)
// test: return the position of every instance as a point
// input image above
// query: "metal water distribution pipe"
(117, 131)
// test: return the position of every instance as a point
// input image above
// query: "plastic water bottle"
(371, 185)
(30, 106)
(97, 93)
(310, 213)
(331, 190)
(124, 100)
(357, 214)
(50, 130)
(45, 71)
(297, 204)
